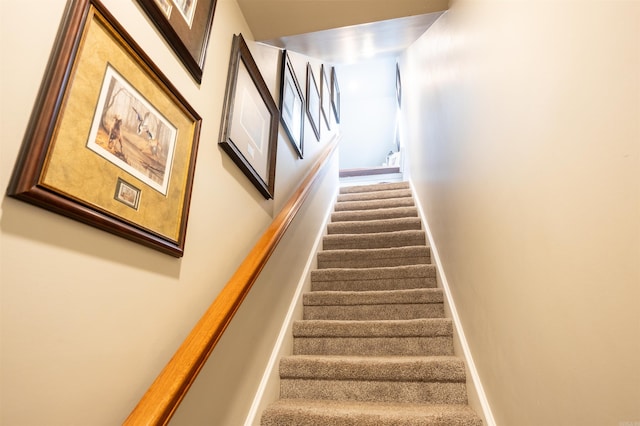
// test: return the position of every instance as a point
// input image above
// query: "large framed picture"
(292, 105)
(325, 96)
(313, 102)
(111, 142)
(335, 94)
(249, 131)
(185, 24)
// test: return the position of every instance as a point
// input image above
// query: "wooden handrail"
(165, 394)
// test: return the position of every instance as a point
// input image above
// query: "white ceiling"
(341, 31)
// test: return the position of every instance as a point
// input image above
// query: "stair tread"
(421, 327)
(303, 412)
(374, 187)
(443, 368)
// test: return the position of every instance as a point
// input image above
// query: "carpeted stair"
(374, 347)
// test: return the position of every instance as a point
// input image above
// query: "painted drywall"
(89, 319)
(523, 125)
(368, 112)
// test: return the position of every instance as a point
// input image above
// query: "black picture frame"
(335, 94)
(398, 86)
(185, 29)
(249, 130)
(313, 102)
(325, 96)
(292, 105)
(85, 128)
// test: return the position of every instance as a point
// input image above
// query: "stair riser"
(374, 263)
(374, 312)
(373, 346)
(374, 391)
(340, 242)
(376, 195)
(374, 188)
(370, 227)
(373, 285)
(377, 214)
(374, 204)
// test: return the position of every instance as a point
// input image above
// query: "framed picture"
(313, 102)
(398, 86)
(249, 131)
(335, 94)
(185, 24)
(291, 105)
(111, 142)
(325, 96)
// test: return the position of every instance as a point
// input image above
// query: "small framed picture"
(249, 131)
(292, 108)
(127, 194)
(313, 102)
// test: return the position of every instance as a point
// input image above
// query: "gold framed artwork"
(186, 26)
(249, 130)
(111, 142)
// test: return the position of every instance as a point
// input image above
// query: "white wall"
(368, 112)
(89, 319)
(523, 128)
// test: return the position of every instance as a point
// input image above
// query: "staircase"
(374, 347)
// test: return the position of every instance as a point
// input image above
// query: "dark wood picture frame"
(313, 102)
(335, 94)
(249, 130)
(88, 155)
(186, 31)
(292, 105)
(325, 96)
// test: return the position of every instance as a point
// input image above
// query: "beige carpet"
(374, 347)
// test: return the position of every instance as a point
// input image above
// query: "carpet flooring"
(374, 346)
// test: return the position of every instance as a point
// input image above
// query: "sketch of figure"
(187, 9)
(131, 133)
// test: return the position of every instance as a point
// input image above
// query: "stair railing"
(163, 397)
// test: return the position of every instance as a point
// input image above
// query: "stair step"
(374, 187)
(374, 240)
(381, 379)
(375, 226)
(368, 258)
(431, 336)
(380, 213)
(374, 305)
(374, 204)
(371, 279)
(375, 195)
(405, 368)
(301, 412)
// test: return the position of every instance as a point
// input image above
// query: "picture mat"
(77, 172)
(249, 132)
(292, 109)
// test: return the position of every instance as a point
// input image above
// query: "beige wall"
(523, 123)
(89, 319)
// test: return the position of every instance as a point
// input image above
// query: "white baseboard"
(285, 330)
(482, 397)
